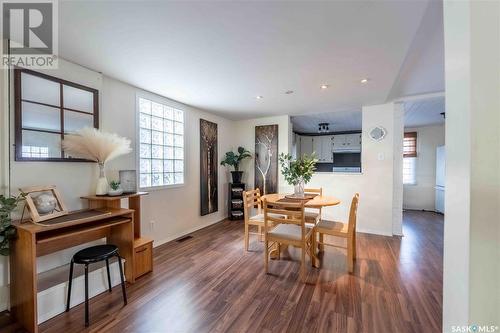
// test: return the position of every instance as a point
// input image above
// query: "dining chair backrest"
(284, 213)
(318, 191)
(353, 214)
(251, 199)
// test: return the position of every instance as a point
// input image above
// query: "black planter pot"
(236, 176)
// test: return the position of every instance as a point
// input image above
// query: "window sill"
(159, 188)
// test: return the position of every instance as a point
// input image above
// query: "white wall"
(421, 196)
(245, 136)
(377, 202)
(175, 210)
(471, 291)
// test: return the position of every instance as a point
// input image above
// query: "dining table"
(314, 201)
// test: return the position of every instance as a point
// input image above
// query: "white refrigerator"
(440, 178)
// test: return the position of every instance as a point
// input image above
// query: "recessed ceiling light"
(259, 97)
(364, 80)
(288, 92)
(324, 86)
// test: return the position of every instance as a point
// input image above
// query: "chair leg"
(303, 263)
(350, 258)
(260, 233)
(246, 237)
(354, 255)
(314, 258)
(86, 295)
(278, 248)
(266, 255)
(321, 247)
(121, 279)
(109, 275)
(70, 283)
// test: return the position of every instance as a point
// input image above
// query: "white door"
(306, 145)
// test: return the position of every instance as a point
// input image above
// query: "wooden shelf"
(45, 237)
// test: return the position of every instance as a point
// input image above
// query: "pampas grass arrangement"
(101, 147)
(92, 144)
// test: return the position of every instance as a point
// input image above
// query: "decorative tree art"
(208, 167)
(266, 158)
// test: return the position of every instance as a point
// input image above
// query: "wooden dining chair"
(339, 229)
(313, 215)
(251, 201)
(284, 223)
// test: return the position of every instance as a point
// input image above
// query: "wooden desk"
(34, 240)
(143, 246)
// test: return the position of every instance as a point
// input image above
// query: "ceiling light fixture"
(324, 86)
(259, 97)
(288, 92)
(364, 81)
(323, 128)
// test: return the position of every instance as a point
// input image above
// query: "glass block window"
(46, 109)
(161, 144)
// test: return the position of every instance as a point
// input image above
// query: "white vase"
(102, 182)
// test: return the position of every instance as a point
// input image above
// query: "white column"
(472, 199)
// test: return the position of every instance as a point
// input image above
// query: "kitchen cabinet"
(320, 145)
(326, 153)
(347, 142)
(306, 145)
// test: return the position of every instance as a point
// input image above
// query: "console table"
(143, 246)
(35, 240)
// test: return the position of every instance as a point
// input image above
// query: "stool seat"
(95, 253)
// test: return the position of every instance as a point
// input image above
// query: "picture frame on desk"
(128, 181)
(44, 203)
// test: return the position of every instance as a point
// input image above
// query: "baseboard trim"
(157, 243)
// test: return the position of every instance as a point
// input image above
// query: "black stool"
(88, 256)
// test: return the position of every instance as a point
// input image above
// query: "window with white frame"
(409, 168)
(410, 158)
(161, 144)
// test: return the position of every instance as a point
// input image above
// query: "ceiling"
(219, 56)
(424, 112)
(338, 122)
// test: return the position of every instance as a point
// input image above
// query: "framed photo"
(44, 202)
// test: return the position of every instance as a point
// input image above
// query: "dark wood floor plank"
(210, 284)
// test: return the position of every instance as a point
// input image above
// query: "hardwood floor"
(209, 284)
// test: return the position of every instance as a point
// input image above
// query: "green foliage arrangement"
(114, 185)
(233, 159)
(297, 170)
(7, 230)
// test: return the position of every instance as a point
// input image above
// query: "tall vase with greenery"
(98, 146)
(7, 230)
(298, 172)
(234, 160)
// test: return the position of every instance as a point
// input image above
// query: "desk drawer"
(143, 259)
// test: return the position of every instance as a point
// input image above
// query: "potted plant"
(115, 188)
(298, 172)
(7, 230)
(234, 160)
